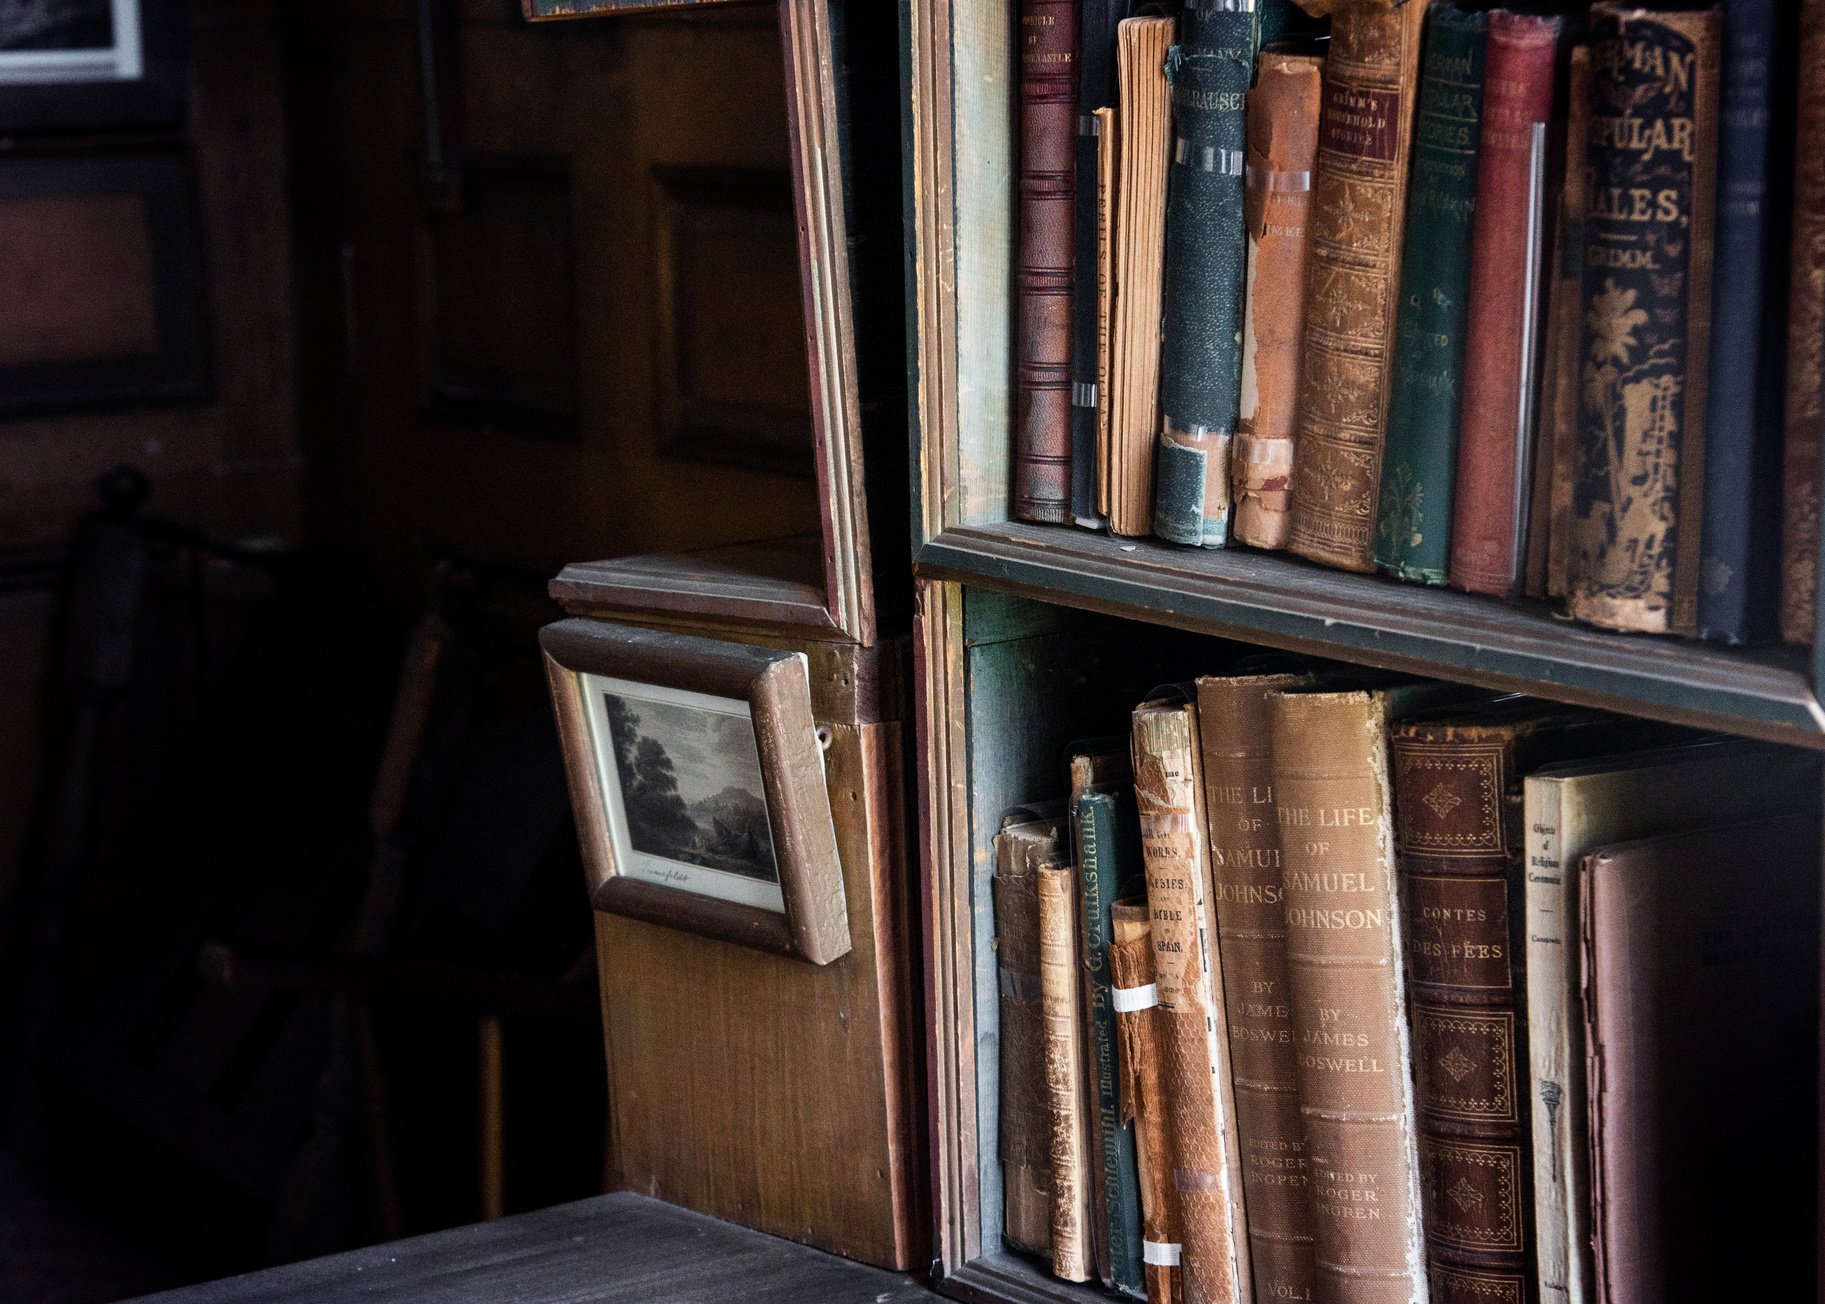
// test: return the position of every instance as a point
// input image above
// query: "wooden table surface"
(613, 1248)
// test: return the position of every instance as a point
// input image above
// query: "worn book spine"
(1358, 206)
(1343, 947)
(1095, 90)
(1105, 296)
(1195, 1071)
(1413, 519)
(1237, 741)
(1564, 368)
(1064, 1065)
(1136, 999)
(1106, 836)
(1805, 406)
(1201, 346)
(1637, 502)
(1457, 818)
(1144, 124)
(1281, 121)
(1494, 450)
(1026, 1127)
(1048, 144)
(1737, 584)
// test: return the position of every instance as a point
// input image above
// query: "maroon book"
(1048, 145)
(1501, 336)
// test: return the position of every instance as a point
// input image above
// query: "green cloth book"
(1413, 519)
(1108, 857)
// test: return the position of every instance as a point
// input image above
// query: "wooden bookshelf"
(1027, 634)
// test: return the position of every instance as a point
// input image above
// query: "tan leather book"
(1282, 118)
(1105, 292)
(1143, 136)
(1805, 345)
(1137, 1003)
(1562, 375)
(1359, 201)
(1195, 1064)
(1237, 740)
(1343, 947)
(1063, 1019)
(1026, 1116)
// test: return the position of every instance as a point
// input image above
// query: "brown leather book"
(1701, 1022)
(1282, 124)
(1359, 201)
(1330, 768)
(1805, 345)
(1137, 1004)
(1143, 136)
(1562, 385)
(1105, 293)
(1026, 1115)
(1048, 152)
(1237, 741)
(1194, 1064)
(1063, 1019)
(1501, 336)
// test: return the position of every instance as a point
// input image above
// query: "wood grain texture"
(613, 1249)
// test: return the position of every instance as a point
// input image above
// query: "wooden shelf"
(1282, 602)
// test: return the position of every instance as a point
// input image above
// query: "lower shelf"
(1010, 1279)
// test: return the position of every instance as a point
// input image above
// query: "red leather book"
(1488, 523)
(1048, 167)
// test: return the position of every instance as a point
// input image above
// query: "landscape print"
(691, 785)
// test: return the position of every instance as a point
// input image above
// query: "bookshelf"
(1024, 631)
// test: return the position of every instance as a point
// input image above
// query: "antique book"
(1413, 518)
(1137, 1015)
(1738, 581)
(1194, 1039)
(1097, 20)
(1143, 142)
(1348, 988)
(1701, 1016)
(1062, 1016)
(1568, 809)
(1458, 824)
(1026, 1117)
(1201, 346)
(1562, 367)
(1105, 295)
(1281, 118)
(1507, 258)
(1237, 743)
(1637, 501)
(1358, 204)
(1108, 845)
(1048, 144)
(1805, 405)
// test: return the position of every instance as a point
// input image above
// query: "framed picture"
(697, 774)
(89, 63)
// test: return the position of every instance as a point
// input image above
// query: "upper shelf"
(1281, 602)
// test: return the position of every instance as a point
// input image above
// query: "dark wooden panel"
(614, 1249)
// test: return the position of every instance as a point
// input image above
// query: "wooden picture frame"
(116, 63)
(840, 604)
(684, 841)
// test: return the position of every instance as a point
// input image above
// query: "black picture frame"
(155, 98)
(176, 370)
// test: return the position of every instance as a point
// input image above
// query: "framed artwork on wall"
(697, 773)
(90, 64)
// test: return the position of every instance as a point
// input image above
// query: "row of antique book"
(1324, 986)
(1530, 301)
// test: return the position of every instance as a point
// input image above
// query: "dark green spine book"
(1201, 348)
(1413, 519)
(1108, 843)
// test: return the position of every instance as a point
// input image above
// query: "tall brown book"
(1561, 386)
(1237, 741)
(1194, 1064)
(1062, 1015)
(1353, 1059)
(1048, 162)
(1359, 200)
(1137, 1005)
(1805, 416)
(1701, 1023)
(1026, 1114)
